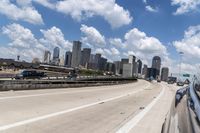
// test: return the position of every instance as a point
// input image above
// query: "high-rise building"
(131, 59)
(156, 63)
(117, 67)
(123, 61)
(164, 73)
(68, 58)
(151, 73)
(56, 53)
(110, 67)
(139, 66)
(102, 64)
(76, 54)
(97, 60)
(85, 57)
(144, 70)
(47, 56)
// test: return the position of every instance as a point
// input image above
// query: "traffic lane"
(56, 90)
(101, 118)
(19, 109)
(153, 120)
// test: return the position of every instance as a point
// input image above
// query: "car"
(180, 83)
(29, 74)
(184, 114)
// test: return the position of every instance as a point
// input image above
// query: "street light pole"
(181, 54)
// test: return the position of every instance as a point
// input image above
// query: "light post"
(181, 54)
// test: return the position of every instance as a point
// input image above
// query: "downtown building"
(85, 57)
(68, 59)
(47, 57)
(156, 64)
(164, 73)
(131, 68)
(76, 54)
(56, 53)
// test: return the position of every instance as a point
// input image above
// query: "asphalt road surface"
(129, 108)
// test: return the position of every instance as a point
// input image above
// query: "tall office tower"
(102, 64)
(164, 73)
(56, 53)
(62, 60)
(156, 63)
(85, 57)
(117, 67)
(139, 62)
(47, 56)
(76, 54)
(131, 59)
(123, 61)
(97, 60)
(144, 70)
(68, 58)
(110, 67)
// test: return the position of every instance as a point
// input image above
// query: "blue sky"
(114, 28)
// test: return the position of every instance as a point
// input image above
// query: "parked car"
(184, 115)
(30, 74)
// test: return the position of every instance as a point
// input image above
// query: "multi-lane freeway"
(135, 107)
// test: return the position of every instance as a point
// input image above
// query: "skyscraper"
(97, 60)
(164, 73)
(56, 53)
(76, 54)
(139, 66)
(85, 57)
(156, 63)
(47, 56)
(131, 59)
(117, 67)
(144, 70)
(68, 58)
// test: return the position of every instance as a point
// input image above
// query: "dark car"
(184, 115)
(180, 83)
(30, 74)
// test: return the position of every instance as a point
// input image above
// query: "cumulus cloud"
(190, 44)
(116, 42)
(92, 36)
(116, 15)
(24, 43)
(23, 11)
(185, 6)
(151, 9)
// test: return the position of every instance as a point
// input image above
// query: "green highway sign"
(186, 75)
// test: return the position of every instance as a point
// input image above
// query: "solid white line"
(20, 123)
(134, 121)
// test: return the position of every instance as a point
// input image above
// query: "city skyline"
(141, 28)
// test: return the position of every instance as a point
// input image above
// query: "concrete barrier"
(48, 84)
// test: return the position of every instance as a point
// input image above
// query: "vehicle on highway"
(29, 74)
(171, 80)
(184, 115)
(180, 83)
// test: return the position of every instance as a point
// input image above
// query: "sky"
(114, 28)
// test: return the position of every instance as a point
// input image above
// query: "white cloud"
(24, 43)
(24, 11)
(116, 15)
(116, 42)
(190, 44)
(185, 6)
(55, 38)
(151, 9)
(46, 3)
(92, 36)
(115, 51)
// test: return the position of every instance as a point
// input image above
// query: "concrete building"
(139, 66)
(92, 62)
(130, 70)
(164, 73)
(85, 57)
(123, 61)
(56, 53)
(144, 70)
(110, 67)
(76, 54)
(47, 57)
(117, 67)
(156, 63)
(97, 61)
(68, 58)
(131, 59)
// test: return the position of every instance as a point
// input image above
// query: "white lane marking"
(20, 123)
(46, 94)
(134, 121)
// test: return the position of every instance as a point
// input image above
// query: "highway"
(128, 108)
